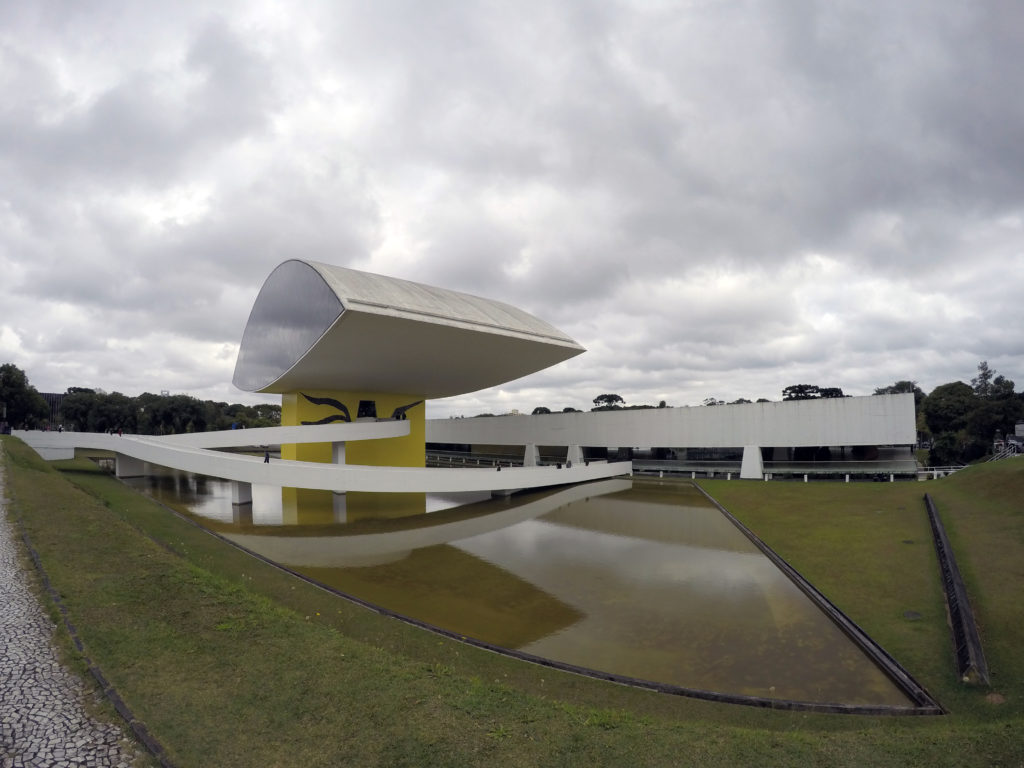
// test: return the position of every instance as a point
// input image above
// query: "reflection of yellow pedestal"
(408, 451)
(362, 506)
(304, 506)
(307, 506)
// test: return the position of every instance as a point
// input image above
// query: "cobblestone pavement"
(42, 719)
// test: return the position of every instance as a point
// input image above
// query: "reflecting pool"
(639, 578)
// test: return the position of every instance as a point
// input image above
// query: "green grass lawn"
(231, 662)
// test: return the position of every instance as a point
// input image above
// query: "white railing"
(934, 473)
(1003, 454)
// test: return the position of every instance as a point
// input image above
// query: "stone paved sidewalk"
(42, 718)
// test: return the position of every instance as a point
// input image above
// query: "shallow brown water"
(641, 579)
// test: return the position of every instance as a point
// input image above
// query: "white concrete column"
(531, 455)
(575, 455)
(241, 514)
(128, 466)
(847, 478)
(752, 467)
(241, 493)
(340, 506)
(805, 478)
(338, 457)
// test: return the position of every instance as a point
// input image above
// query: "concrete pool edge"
(924, 703)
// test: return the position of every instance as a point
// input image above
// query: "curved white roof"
(319, 326)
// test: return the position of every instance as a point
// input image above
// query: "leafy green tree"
(990, 385)
(901, 387)
(947, 406)
(76, 407)
(540, 409)
(982, 383)
(605, 402)
(946, 449)
(20, 404)
(801, 392)
(998, 408)
(149, 414)
(992, 416)
(810, 392)
(831, 392)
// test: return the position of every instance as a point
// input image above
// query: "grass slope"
(231, 662)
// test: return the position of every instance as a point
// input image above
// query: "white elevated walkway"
(191, 453)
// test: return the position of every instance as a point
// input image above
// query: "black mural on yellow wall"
(399, 414)
(343, 416)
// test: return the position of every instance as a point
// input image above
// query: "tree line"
(88, 410)
(962, 421)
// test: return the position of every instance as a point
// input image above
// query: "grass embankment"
(868, 547)
(231, 662)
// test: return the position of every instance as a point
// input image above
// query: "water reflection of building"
(634, 578)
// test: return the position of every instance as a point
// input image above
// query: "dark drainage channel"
(924, 704)
(970, 658)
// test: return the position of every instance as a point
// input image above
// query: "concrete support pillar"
(128, 466)
(805, 478)
(338, 457)
(241, 493)
(340, 506)
(693, 475)
(892, 478)
(574, 455)
(752, 467)
(241, 514)
(847, 478)
(531, 455)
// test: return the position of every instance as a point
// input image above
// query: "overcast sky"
(716, 199)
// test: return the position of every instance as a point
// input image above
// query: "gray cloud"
(716, 200)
